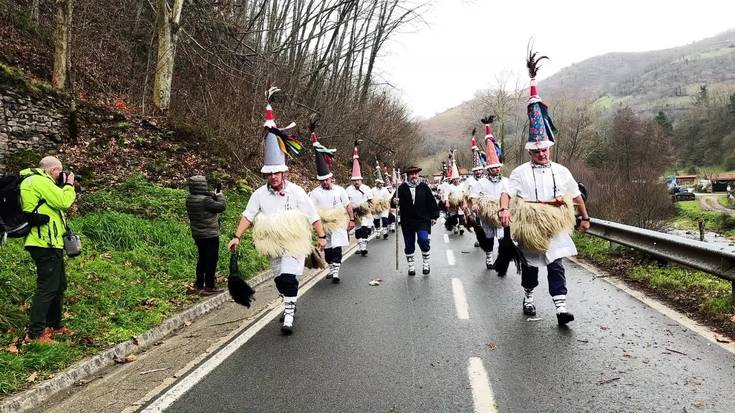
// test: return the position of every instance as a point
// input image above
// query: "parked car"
(683, 195)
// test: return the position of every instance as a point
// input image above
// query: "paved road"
(402, 347)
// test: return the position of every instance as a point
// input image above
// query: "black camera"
(61, 179)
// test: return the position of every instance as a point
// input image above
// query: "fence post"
(701, 230)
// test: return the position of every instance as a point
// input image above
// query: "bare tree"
(168, 25)
(62, 47)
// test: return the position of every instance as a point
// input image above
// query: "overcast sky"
(465, 45)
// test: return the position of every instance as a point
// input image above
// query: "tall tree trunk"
(35, 11)
(167, 24)
(62, 49)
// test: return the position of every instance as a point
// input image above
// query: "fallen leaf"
(627, 355)
(120, 360)
(608, 380)
(24, 307)
(699, 404)
(32, 377)
(604, 328)
(492, 346)
(12, 349)
(375, 282)
(187, 323)
(534, 319)
(67, 314)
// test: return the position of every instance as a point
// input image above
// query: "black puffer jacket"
(204, 208)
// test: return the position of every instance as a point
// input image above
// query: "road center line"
(460, 300)
(450, 257)
(446, 238)
(482, 394)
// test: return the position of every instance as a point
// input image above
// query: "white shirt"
(452, 190)
(265, 201)
(358, 198)
(328, 199)
(487, 188)
(538, 184)
(469, 183)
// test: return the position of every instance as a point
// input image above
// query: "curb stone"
(38, 394)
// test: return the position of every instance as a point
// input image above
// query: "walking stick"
(397, 234)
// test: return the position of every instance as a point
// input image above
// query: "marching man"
(381, 204)
(419, 211)
(485, 196)
(453, 197)
(281, 214)
(360, 196)
(333, 206)
(478, 171)
(546, 190)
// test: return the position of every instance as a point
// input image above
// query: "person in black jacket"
(418, 211)
(204, 209)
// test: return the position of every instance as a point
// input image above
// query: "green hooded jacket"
(40, 185)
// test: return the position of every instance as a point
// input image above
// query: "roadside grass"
(689, 213)
(724, 201)
(136, 269)
(706, 296)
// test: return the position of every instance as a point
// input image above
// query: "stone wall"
(37, 123)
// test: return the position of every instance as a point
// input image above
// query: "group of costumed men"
(531, 213)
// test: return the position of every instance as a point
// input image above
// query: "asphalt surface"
(400, 347)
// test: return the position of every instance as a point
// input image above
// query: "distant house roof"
(464, 171)
(686, 177)
(723, 177)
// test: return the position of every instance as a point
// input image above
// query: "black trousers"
(208, 249)
(46, 308)
(454, 220)
(333, 255)
(485, 243)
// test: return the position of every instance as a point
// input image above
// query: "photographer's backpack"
(13, 221)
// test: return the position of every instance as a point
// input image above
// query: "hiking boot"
(528, 307)
(563, 316)
(46, 337)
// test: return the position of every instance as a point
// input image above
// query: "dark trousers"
(380, 222)
(453, 221)
(411, 235)
(46, 308)
(557, 281)
(333, 255)
(208, 249)
(363, 232)
(391, 218)
(287, 285)
(485, 243)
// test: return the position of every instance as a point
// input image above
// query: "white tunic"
(358, 198)
(382, 193)
(544, 184)
(485, 188)
(328, 199)
(469, 183)
(266, 201)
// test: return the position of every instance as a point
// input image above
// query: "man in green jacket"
(46, 245)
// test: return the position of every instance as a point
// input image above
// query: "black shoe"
(489, 266)
(426, 271)
(461, 232)
(286, 331)
(385, 236)
(564, 318)
(411, 273)
(363, 253)
(329, 275)
(477, 244)
(335, 280)
(529, 309)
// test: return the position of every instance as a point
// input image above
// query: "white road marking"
(450, 257)
(482, 394)
(460, 300)
(178, 390)
(446, 238)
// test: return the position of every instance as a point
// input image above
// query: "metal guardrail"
(716, 260)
